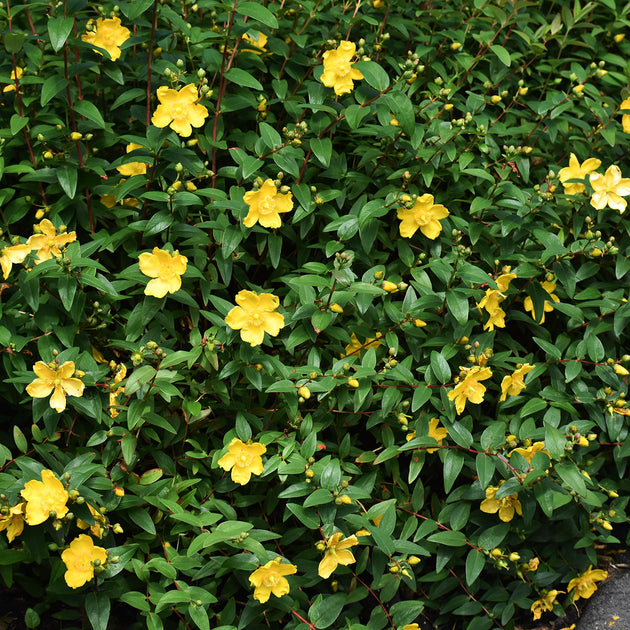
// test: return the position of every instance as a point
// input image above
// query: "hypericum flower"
(47, 242)
(266, 204)
(131, 168)
(179, 110)
(610, 189)
(625, 118)
(491, 300)
(256, 39)
(356, 347)
(244, 460)
(577, 171)
(99, 520)
(19, 72)
(545, 603)
(13, 522)
(584, 584)
(513, 384)
(503, 281)
(337, 553)
(338, 71)
(270, 578)
(165, 268)
(80, 559)
(43, 497)
(255, 315)
(425, 215)
(529, 452)
(505, 506)
(438, 434)
(108, 34)
(58, 380)
(469, 388)
(497, 318)
(13, 255)
(550, 287)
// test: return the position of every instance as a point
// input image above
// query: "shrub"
(313, 315)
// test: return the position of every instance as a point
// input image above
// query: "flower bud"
(75, 136)
(304, 392)
(336, 308)
(388, 286)
(352, 382)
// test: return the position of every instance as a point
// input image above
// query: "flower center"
(243, 459)
(179, 111)
(270, 580)
(256, 319)
(342, 67)
(108, 38)
(267, 205)
(57, 382)
(51, 242)
(423, 217)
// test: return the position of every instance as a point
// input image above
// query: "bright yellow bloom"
(244, 460)
(59, 381)
(108, 34)
(506, 506)
(337, 553)
(619, 369)
(99, 520)
(470, 388)
(13, 522)
(529, 452)
(266, 204)
(255, 315)
(20, 73)
(497, 318)
(47, 242)
(165, 268)
(270, 578)
(545, 603)
(625, 118)
(513, 384)
(577, 171)
(355, 346)
(179, 110)
(80, 559)
(491, 300)
(258, 40)
(610, 189)
(13, 255)
(503, 281)
(438, 434)
(132, 168)
(338, 71)
(550, 287)
(584, 584)
(43, 497)
(424, 215)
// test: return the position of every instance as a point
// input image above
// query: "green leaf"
(20, 439)
(552, 351)
(326, 609)
(135, 9)
(140, 517)
(485, 469)
(374, 74)
(457, 304)
(440, 367)
(257, 12)
(97, 608)
(570, 474)
(13, 42)
(322, 148)
(453, 462)
(51, 87)
(448, 538)
(67, 287)
(199, 615)
(555, 441)
(18, 123)
(240, 77)
(90, 111)
(475, 562)
(67, 178)
(58, 30)
(502, 54)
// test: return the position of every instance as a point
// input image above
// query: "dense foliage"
(313, 314)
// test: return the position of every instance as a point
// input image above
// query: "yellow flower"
(506, 506)
(270, 578)
(43, 497)
(584, 584)
(20, 73)
(80, 559)
(424, 215)
(550, 287)
(438, 434)
(503, 281)
(244, 460)
(255, 315)
(48, 242)
(355, 346)
(338, 71)
(491, 300)
(99, 520)
(13, 255)
(13, 522)
(59, 381)
(577, 171)
(266, 205)
(131, 168)
(336, 553)
(470, 388)
(625, 118)
(544, 603)
(108, 34)
(497, 318)
(610, 189)
(411, 626)
(179, 110)
(529, 452)
(513, 384)
(165, 268)
(258, 40)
